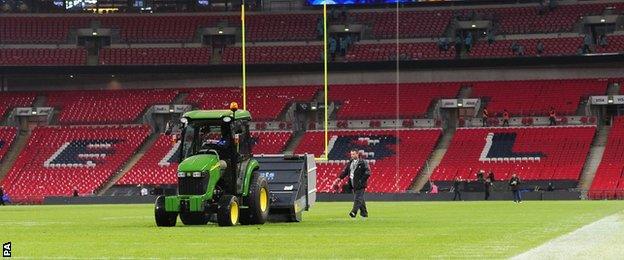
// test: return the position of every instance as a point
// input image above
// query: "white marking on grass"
(602, 239)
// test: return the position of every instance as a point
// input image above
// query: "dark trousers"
(553, 121)
(457, 195)
(487, 194)
(505, 122)
(485, 122)
(359, 203)
(517, 196)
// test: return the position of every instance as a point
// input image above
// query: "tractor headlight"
(181, 174)
(197, 174)
(227, 119)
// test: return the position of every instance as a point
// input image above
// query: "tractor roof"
(217, 114)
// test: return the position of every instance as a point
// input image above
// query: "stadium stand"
(292, 27)
(58, 159)
(380, 148)
(274, 54)
(262, 108)
(158, 166)
(10, 100)
(43, 57)
(523, 20)
(414, 24)
(154, 56)
(615, 44)
(7, 135)
(415, 99)
(106, 106)
(609, 180)
(387, 51)
(552, 47)
(534, 153)
(535, 97)
(38, 29)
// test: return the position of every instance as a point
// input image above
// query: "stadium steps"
(179, 99)
(294, 142)
(217, 56)
(465, 92)
(21, 140)
(593, 159)
(40, 101)
(434, 160)
(613, 89)
(129, 164)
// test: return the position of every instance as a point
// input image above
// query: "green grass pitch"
(394, 230)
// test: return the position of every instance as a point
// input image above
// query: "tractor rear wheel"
(163, 218)
(194, 218)
(257, 201)
(228, 211)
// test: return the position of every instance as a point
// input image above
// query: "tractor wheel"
(228, 211)
(257, 202)
(163, 218)
(194, 218)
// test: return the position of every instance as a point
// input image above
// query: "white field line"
(603, 239)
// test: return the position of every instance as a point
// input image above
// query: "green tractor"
(218, 179)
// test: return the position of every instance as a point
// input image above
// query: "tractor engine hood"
(199, 163)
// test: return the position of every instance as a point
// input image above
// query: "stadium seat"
(58, 159)
(558, 153)
(415, 99)
(106, 106)
(7, 135)
(609, 181)
(261, 106)
(154, 56)
(535, 97)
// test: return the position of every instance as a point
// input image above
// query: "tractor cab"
(221, 133)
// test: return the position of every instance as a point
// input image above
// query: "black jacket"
(515, 180)
(360, 175)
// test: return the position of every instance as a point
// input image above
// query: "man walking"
(456, 187)
(488, 187)
(514, 184)
(358, 172)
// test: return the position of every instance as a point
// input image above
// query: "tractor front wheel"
(163, 218)
(228, 211)
(257, 201)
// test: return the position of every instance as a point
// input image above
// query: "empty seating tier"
(155, 56)
(388, 51)
(274, 54)
(57, 160)
(264, 103)
(534, 153)
(535, 97)
(10, 100)
(370, 101)
(43, 57)
(106, 106)
(7, 135)
(609, 181)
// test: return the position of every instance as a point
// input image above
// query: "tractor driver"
(212, 139)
